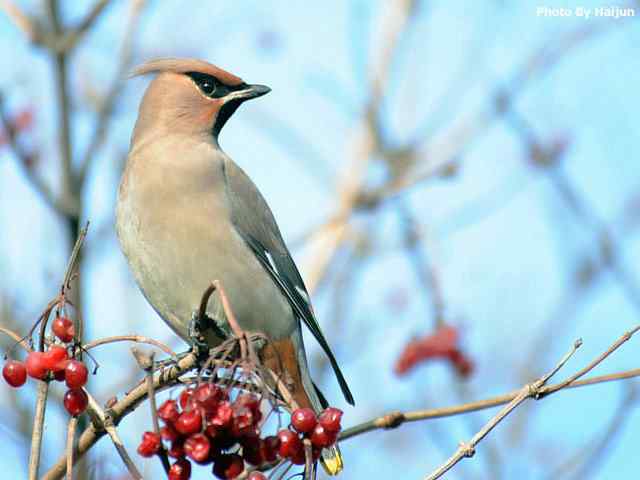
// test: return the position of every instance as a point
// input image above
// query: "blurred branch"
(21, 20)
(73, 36)
(107, 105)
(25, 161)
(349, 190)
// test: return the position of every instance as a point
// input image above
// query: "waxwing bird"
(188, 215)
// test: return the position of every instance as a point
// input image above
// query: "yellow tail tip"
(332, 464)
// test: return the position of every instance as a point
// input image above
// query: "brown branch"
(37, 433)
(121, 409)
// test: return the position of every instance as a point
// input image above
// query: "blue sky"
(503, 242)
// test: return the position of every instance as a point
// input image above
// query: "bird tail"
(288, 355)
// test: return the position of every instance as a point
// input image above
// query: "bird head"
(190, 96)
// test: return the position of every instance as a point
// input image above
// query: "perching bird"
(188, 215)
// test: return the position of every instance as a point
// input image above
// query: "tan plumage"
(187, 214)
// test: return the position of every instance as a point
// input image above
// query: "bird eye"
(206, 83)
(207, 87)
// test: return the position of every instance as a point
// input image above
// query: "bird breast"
(173, 223)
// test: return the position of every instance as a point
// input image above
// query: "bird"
(187, 214)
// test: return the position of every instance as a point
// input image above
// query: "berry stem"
(38, 424)
(146, 362)
(71, 433)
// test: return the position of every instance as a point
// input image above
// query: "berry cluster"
(207, 427)
(54, 363)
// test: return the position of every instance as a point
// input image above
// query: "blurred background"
(435, 166)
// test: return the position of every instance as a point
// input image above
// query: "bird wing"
(253, 220)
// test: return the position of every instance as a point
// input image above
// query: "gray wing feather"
(255, 223)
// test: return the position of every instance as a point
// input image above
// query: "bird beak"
(251, 91)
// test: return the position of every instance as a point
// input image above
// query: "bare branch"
(396, 419)
(466, 450)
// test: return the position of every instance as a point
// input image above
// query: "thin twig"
(38, 425)
(308, 460)
(71, 435)
(17, 338)
(146, 362)
(106, 422)
(131, 338)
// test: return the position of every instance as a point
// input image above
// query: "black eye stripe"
(211, 86)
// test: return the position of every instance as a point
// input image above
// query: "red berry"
(223, 416)
(197, 447)
(185, 398)
(290, 443)
(255, 475)
(208, 396)
(36, 365)
(55, 359)
(14, 373)
(177, 449)
(169, 433)
(59, 375)
(249, 400)
(75, 401)
(189, 422)
(269, 448)
(242, 421)
(181, 470)
(303, 420)
(322, 438)
(168, 411)
(76, 374)
(330, 419)
(228, 466)
(63, 329)
(150, 444)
